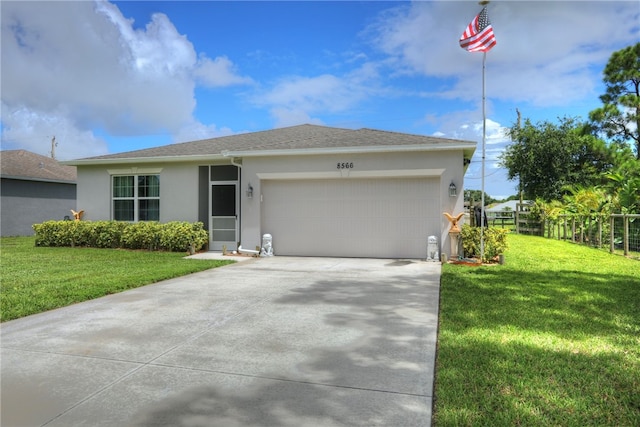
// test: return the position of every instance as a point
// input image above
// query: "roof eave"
(33, 178)
(468, 148)
(140, 160)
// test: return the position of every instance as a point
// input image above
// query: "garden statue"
(454, 232)
(77, 216)
(267, 245)
(432, 249)
(454, 222)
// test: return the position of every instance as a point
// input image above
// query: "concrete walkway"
(279, 341)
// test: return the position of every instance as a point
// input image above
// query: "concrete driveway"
(279, 341)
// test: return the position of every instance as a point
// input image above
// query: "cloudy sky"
(107, 77)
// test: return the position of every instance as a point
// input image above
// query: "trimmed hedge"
(175, 236)
(495, 242)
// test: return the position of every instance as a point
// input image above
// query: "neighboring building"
(319, 191)
(34, 189)
(504, 213)
(508, 206)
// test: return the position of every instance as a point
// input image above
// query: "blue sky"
(107, 77)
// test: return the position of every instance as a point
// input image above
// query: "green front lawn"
(36, 279)
(552, 338)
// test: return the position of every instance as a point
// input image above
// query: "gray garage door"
(377, 218)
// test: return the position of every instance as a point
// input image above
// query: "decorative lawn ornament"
(77, 216)
(454, 233)
(432, 249)
(454, 221)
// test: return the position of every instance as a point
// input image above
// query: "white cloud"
(218, 72)
(196, 131)
(292, 116)
(84, 65)
(545, 55)
(296, 99)
(26, 130)
(321, 93)
(158, 50)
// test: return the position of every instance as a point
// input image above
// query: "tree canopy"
(548, 158)
(619, 117)
(475, 197)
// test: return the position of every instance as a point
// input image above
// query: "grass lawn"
(35, 279)
(551, 338)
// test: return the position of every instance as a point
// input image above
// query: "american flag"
(478, 37)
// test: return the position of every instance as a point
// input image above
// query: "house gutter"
(466, 147)
(36, 179)
(236, 156)
(139, 160)
(236, 161)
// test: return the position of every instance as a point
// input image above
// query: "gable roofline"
(295, 140)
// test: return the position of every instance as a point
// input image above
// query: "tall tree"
(548, 158)
(619, 117)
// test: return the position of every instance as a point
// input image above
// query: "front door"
(224, 216)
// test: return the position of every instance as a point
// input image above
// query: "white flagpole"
(484, 135)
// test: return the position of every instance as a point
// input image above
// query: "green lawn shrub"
(174, 236)
(142, 235)
(178, 236)
(495, 242)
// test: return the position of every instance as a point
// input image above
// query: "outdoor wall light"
(249, 191)
(453, 191)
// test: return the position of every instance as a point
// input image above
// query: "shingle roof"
(291, 138)
(22, 164)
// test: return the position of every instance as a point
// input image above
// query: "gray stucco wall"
(184, 186)
(178, 190)
(25, 203)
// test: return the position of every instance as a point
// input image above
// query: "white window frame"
(135, 173)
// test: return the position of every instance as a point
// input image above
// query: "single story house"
(317, 190)
(34, 189)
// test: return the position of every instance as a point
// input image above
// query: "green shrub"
(175, 236)
(142, 235)
(44, 233)
(495, 242)
(179, 236)
(470, 240)
(55, 233)
(106, 234)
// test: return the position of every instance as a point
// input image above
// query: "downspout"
(237, 161)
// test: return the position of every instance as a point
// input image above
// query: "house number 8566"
(345, 165)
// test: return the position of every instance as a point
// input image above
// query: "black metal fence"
(620, 233)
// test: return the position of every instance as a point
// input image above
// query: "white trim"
(392, 173)
(467, 147)
(352, 150)
(139, 160)
(135, 171)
